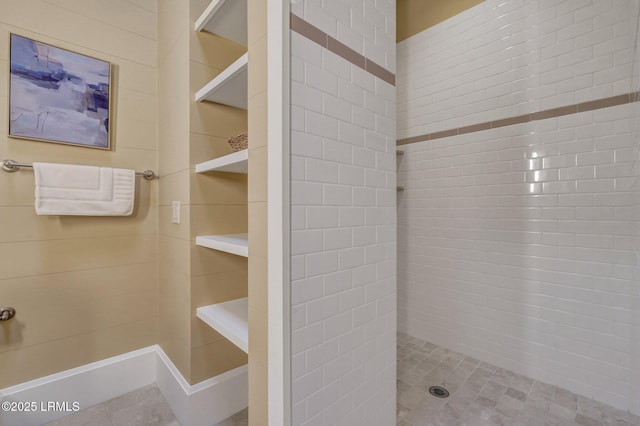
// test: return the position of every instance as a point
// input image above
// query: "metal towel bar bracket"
(13, 166)
(7, 313)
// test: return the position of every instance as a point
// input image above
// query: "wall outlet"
(175, 211)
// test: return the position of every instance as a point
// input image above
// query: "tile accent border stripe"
(540, 115)
(318, 36)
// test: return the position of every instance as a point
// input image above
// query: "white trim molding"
(203, 404)
(279, 221)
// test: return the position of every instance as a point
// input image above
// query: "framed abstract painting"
(56, 95)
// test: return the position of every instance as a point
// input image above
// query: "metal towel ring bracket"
(11, 166)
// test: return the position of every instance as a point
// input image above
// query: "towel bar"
(13, 166)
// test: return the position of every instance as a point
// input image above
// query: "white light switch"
(175, 214)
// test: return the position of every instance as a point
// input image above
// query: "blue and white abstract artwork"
(57, 95)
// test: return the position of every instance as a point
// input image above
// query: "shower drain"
(438, 392)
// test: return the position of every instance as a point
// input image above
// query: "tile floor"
(241, 418)
(484, 395)
(145, 406)
(481, 395)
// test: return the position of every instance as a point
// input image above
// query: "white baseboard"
(206, 403)
(203, 404)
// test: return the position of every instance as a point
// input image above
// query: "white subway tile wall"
(505, 58)
(366, 26)
(343, 236)
(516, 245)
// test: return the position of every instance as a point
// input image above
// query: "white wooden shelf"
(229, 319)
(238, 162)
(226, 18)
(233, 243)
(229, 87)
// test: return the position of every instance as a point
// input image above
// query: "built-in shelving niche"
(227, 19)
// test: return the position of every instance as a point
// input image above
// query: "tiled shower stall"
(518, 226)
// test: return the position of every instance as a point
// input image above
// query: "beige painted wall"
(173, 143)
(85, 288)
(89, 288)
(414, 16)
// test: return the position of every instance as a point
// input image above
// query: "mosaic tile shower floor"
(484, 395)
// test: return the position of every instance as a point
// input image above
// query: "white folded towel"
(63, 189)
